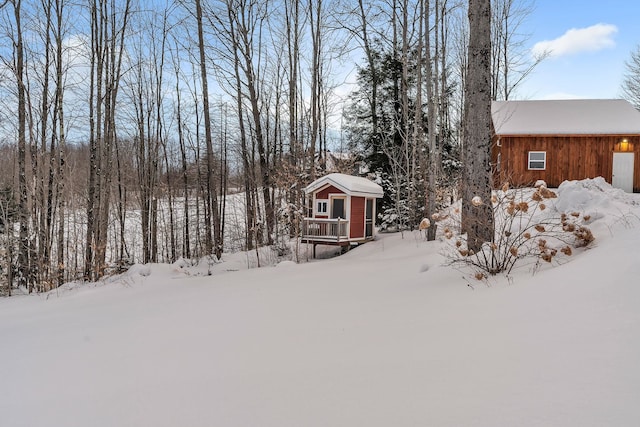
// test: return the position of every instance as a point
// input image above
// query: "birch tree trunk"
(59, 106)
(432, 108)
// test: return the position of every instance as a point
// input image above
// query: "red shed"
(342, 210)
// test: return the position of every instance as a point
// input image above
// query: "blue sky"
(590, 41)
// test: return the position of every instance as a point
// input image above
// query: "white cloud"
(577, 40)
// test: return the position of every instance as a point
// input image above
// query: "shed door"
(623, 171)
(337, 208)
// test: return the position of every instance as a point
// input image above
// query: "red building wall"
(324, 193)
(569, 157)
(356, 225)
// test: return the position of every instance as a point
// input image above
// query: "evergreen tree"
(376, 134)
(383, 140)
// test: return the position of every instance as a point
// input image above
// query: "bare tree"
(477, 214)
(109, 24)
(212, 195)
(295, 166)
(243, 29)
(145, 83)
(24, 270)
(186, 238)
(631, 79)
(59, 119)
(432, 113)
(511, 62)
(315, 11)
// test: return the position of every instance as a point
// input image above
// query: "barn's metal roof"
(565, 117)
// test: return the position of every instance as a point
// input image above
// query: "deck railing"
(334, 230)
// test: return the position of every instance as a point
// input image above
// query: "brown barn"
(342, 210)
(563, 140)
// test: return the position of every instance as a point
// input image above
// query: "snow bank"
(384, 335)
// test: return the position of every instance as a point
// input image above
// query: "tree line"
(185, 114)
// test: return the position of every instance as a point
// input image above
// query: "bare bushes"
(526, 228)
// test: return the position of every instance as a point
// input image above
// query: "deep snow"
(384, 335)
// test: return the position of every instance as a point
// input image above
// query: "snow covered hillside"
(384, 335)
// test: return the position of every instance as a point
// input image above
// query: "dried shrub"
(448, 233)
(546, 193)
(521, 233)
(584, 236)
(537, 196)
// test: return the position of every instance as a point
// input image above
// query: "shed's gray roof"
(352, 185)
(565, 117)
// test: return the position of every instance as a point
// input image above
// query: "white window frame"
(530, 160)
(321, 207)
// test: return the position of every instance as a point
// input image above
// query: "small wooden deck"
(334, 232)
(329, 231)
(318, 231)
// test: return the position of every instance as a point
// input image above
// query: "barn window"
(537, 160)
(321, 206)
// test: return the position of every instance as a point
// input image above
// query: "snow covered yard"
(384, 335)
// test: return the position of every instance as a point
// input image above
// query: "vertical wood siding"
(357, 217)
(568, 158)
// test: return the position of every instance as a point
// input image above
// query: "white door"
(623, 171)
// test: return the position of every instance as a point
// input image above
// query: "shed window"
(537, 160)
(321, 206)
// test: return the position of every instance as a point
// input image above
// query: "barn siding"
(357, 217)
(568, 158)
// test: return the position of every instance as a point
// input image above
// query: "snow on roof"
(565, 117)
(352, 185)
